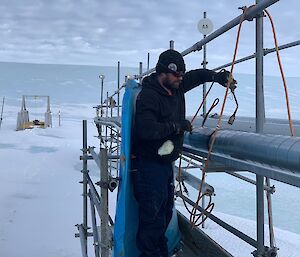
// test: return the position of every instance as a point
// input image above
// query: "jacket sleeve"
(146, 119)
(194, 78)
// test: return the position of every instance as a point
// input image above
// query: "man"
(158, 137)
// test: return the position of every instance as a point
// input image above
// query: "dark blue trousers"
(154, 192)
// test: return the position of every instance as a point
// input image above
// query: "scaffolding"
(264, 166)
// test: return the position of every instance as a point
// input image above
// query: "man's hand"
(184, 125)
(223, 78)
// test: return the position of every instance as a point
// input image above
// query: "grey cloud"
(103, 32)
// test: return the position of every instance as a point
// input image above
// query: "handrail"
(266, 51)
(249, 15)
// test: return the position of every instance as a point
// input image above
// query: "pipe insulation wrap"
(275, 150)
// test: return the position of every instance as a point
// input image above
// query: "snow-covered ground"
(40, 196)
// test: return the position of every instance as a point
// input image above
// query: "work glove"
(182, 126)
(223, 77)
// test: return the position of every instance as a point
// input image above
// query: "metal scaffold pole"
(118, 95)
(1, 118)
(105, 245)
(85, 192)
(204, 112)
(141, 71)
(260, 117)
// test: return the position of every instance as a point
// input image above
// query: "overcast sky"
(102, 32)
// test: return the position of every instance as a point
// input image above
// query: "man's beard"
(174, 85)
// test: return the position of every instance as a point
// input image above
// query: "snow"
(40, 196)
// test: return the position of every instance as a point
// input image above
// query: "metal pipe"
(231, 24)
(94, 194)
(195, 182)
(204, 67)
(84, 182)
(148, 61)
(1, 118)
(269, 189)
(118, 108)
(105, 122)
(83, 242)
(270, 215)
(260, 105)
(172, 44)
(101, 89)
(104, 204)
(94, 226)
(189, 160)
(223, 224)
(204, 114)
(59, 124)
(260, 118)
(250, 14)
(106, 115)
(118, 90)
(266, 51)
(141, 71)
(260, 215)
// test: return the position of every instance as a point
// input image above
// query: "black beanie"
(170, 61)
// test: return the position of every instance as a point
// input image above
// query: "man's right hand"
(184, 125)
(223, 77)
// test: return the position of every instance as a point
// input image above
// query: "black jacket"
(156, 113)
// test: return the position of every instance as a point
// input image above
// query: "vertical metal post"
(148, 61)
(23, 108)
(118, 95)
(1, 118)
(104, 204)
(83, 241)
(59, 118)
(172, 44)
(260, 102)
(48, 104)
(101, 94)
(118, 142)
(141, 71)
(259, 129)
(204, 110)
(204, 67)
(106, 129)
(269, 199)
(84, 182)
(94, 226)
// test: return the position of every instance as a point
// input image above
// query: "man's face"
(172, 81)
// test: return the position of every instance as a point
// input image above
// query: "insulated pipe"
(275, 150)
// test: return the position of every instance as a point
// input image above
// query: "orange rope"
(282, 74)
(192, 217)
